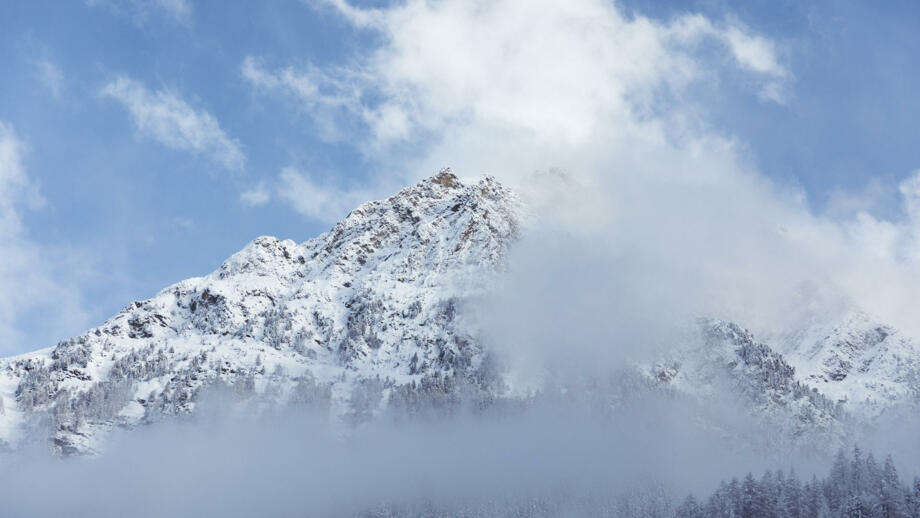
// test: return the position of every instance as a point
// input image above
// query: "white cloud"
(310, 85)
(33, 278)
(757, 54)
(320, 200)
(753, 53)
(165, 117)
(910, 190)
(317, 200)
(501, 62)
(873, 198)
(50, 76)
(358, 17)
(258, 195)
(323, 96)
(16, 189)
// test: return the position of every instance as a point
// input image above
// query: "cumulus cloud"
(164, 116)
(33, 278)
(499, 63)
(509, 87)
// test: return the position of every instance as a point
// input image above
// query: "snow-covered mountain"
(728, 362)
(377, 295)
(370, 315)
(865, 365)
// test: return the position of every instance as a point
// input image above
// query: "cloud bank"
(297, 464)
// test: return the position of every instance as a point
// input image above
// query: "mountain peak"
(376, 297)
(445, 178)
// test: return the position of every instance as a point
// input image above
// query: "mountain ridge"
(371, 315)
(377, 294)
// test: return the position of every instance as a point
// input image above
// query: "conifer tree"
(891, 497)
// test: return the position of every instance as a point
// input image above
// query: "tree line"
(857, 486)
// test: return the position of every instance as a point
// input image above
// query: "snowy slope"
(727, 361)
(866, 365)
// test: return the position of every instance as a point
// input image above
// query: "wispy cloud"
(16, 189)
(180, 11)
(165, 117)
(324, 96)
(314, 198)
(50, 76)
(32, 276)
(258, 195)
(184, 223)
(752, 52)
(317, 200)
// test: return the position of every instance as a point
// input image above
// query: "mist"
(301, 464)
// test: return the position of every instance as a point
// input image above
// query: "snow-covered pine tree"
(891, 494)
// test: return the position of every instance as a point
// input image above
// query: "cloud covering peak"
(674, 212)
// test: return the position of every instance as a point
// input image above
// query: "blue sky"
(157, 137)
(851, 116)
